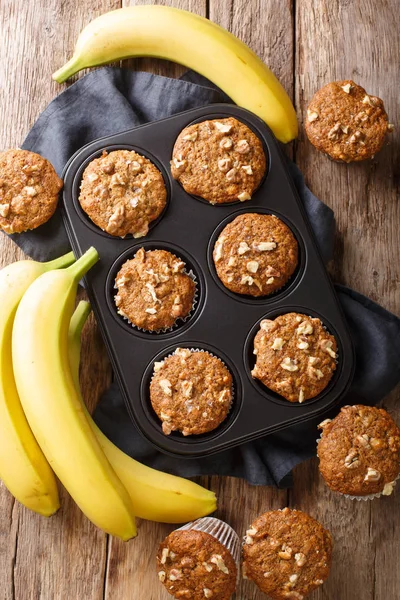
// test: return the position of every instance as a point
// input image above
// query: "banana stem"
(76, 325)
(84, 263)
(59, 263)
(66, 71)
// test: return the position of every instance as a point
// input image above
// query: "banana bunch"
(195, 42)
(44, 425)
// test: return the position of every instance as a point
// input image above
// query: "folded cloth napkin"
(110, 100)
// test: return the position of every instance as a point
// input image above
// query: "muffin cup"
(220, 531)
(179, 321)
(367, 496)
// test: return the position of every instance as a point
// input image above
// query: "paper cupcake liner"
(179, 321)
(220, 531)
(225, 365)
(367, 496)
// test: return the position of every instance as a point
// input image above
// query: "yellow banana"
(195, 42)
(156, 496)
(52, 406)
(23, 466)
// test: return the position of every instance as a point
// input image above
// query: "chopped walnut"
(390, 127)
(367, 100)
(179, 165)
(305, 328)
(116, 219)
(161, 575)
(301, 396)
(300, 559)
(352, 459)
(270, 280)
(207, 593)
(334, 132)
(224, 164)
(232, 261)
(271, 272)
(92, 177)
(158, 366)
(135, 166)
(326, 346)
(247, 169)
(252, 266)
(293, 578)
(312, 115)
(218, 560)
(247, 279)
(265, 246)
(242, 147)
(289, 364)
(165, 385)
(164, 556)
(302, 345)
(244, 196)
(278, 344)
(207, 567)
(151, 311)
(324, 423)
(243, 248)
(223, 127)
(218, 250)
(267, 324)
(30, 191)
(231, 175)
(388, 488)
(285, 553)
(187, 388)
(175, 574)
(347, 88)
(358, 136)
(315, 373)
(117, 179)
(372, 475)
(226, 143)
(152, 292)
(190, 137)
(4, 210)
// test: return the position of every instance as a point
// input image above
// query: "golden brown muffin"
(255, 254)
(220, 160)
(194, 565)
(346, 123)
(287, 554)
(296, 356)
(153, 290)
(191, 392)
(122, 193)
(29, 188)
(359, 451)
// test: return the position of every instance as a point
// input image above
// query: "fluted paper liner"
(220, 531)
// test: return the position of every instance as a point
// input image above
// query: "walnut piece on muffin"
(122, 193)
(296, 356)
(191, 392)
(287, 554)
(194, 565)
(221, 160)
(346, 123)
(153, 290)
(359, 451)
(29, 188)
(255, 254)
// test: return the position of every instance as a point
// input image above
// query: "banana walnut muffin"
(220, 160)
(191, 392)
(29, 188)
(195, 565)
(346, 123)
(153, 290)
(122, 192)
(287, 554)
(255, 254)
(295, 356)
(359, 451)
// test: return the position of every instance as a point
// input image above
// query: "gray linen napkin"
(110, 100)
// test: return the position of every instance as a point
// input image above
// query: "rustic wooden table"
(307, 43)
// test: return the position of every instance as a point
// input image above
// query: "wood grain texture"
(306, 43)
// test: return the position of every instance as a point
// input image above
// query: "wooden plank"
(65, 556)
(337, 39)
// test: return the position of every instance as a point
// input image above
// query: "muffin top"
(287, 554)
(191, 392)
(255, 254)
(29, 188)
(359, 451)
(194, 565)
(296, 356)
(220, 160)
(122, 193)
(345, 122)
(153, 291)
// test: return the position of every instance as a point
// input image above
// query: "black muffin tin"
(222, 322)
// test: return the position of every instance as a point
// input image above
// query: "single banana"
(53, 407)
(156, 496)
(195, 42)
(23, 466)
